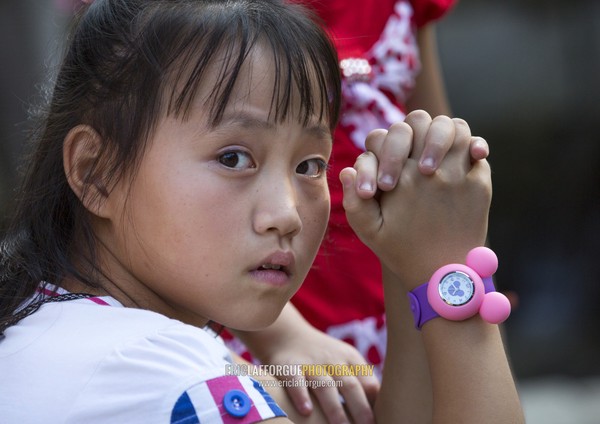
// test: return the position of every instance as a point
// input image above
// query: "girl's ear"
(81, 150)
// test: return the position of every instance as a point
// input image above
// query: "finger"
(329, 400)
(370, 385)
(393, 155)
(462, 135)
(481, 171)
(438, 141)
(299, 395)
(458, 159)
(363, 214)
(375, 140)
(419, 121)
(356, 400)
(479, 149)
(366, 175)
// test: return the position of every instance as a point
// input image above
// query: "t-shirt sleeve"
(175, 375)
(426, 11)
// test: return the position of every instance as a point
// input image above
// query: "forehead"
(258, 77)
(260, 86)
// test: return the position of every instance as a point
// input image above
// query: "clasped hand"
(419, 196)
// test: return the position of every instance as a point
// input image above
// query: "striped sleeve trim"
(225, 400)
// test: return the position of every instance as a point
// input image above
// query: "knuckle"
(363, 159)
(375, 138)
(377, 133)
(462, 131)
(438, 143)
(459, 122)
(418, 115)
(400, 127)
(394, 160)
(442, 119)
(352, 384)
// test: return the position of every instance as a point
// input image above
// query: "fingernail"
(366, 186)
(307, 406)
(346, 180)
(386, 179)
(483, 146)
(428, 162)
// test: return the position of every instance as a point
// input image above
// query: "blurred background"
(525, 74)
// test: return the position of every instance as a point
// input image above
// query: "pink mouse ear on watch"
(483, 261)
(495, 308)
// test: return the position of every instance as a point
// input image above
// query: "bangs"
(305, 66)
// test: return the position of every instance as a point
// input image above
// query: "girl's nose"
(277, 209)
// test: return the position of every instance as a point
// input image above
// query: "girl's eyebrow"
(246, 120)
(249, 121)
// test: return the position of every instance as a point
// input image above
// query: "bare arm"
(427, 221)
(406, 388)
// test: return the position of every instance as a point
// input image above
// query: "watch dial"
(456, 288)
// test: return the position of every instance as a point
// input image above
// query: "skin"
(225, 202)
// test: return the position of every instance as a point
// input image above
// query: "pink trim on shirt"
(98, 301)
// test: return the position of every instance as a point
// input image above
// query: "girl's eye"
(313, 168)
(236, 160)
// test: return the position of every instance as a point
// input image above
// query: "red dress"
(376, 42)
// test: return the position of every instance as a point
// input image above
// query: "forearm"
(448, 372)
(468, 362)
(406, 385)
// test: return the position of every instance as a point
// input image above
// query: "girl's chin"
(254, 321)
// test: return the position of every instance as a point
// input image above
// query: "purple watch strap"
(422, 310)
(488, 283)
(420, 307)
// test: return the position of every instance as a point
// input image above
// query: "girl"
(178, 180)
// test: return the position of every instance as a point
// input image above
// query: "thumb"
(364, 215)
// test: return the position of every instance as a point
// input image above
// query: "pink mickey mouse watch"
(457, 292)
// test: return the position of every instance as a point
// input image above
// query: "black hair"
(127, 63)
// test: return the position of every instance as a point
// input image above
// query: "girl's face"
(221, 223)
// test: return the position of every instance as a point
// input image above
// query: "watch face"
(456, 288)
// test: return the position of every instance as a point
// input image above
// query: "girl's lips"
(275, 269)
(271, 276)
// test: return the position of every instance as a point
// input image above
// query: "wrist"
(412, 273)
(457, 292)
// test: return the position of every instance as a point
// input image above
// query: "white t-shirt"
(95, 361)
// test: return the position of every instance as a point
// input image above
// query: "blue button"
(236, 403)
